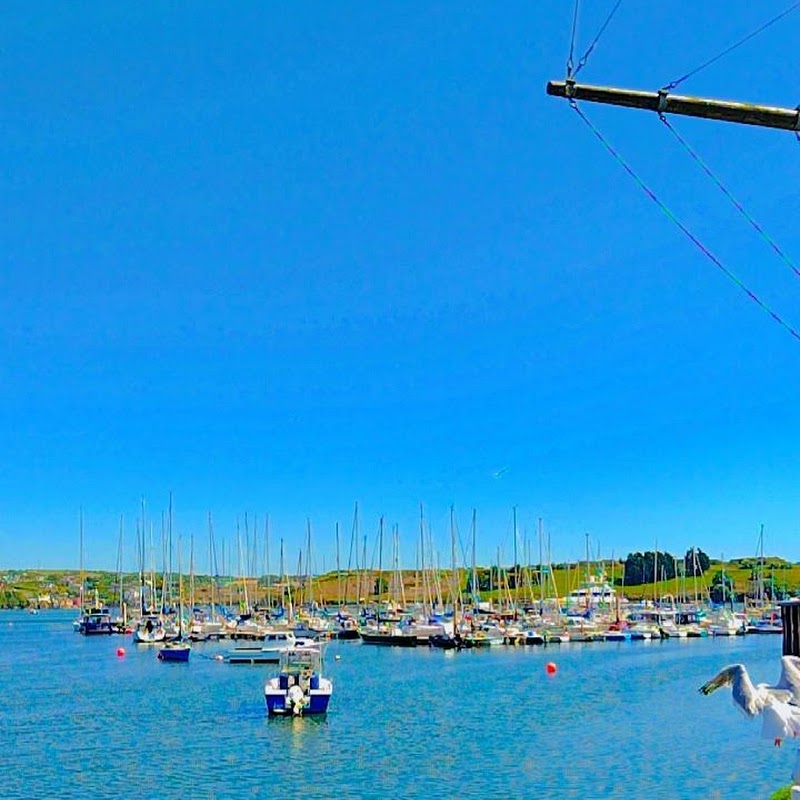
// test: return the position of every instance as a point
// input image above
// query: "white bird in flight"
(778, 705)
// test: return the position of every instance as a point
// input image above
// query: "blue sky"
(280, 258)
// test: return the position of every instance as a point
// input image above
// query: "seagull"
(778, 705)
(790, 678)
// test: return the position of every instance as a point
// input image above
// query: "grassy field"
(41, 587)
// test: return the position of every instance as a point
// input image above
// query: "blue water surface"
(620, 720)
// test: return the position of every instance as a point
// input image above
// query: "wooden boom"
(664, 102)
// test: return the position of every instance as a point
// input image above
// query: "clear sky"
(285, 257)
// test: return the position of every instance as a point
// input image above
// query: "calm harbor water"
(616, 721)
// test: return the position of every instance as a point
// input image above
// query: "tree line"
(652, 566)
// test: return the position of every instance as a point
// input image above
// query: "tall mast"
(82, 588)
(191, 571)
(212, 571)
(474, 579)
(541, 572)
(122, 608)
(364, 567)
(655, 574)
(143, 562)
(454, 592)
(515, 568)
(761, 566)
(180, 593)
(338, 569)
(378, 584)
(426, 604)
(266, 562)
(310, 598)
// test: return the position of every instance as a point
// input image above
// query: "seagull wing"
(751, 699)
(790, 678)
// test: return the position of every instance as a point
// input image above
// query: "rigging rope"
(572, 38)
(734, 202)
(585, 57)
(692, 238)
(734, 46)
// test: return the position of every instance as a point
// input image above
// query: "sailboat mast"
(310, 598)
(82, 589)
(180, 593)
(212, 571)
(655, 574)
(122, 607)
(474, 578)
(516, 572)
(378, 584)
(541, 568)
(426, 604)
(454, 577)
(761, 566)
(191, 571)
(338, 569)
(266, 562)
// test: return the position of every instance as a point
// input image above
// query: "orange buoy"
(120, 652)
(551, 668)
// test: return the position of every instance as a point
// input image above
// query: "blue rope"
(692, 238)
(734, 202)
(585, 57)
(734, 46)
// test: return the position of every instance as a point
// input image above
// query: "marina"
(392, 396)
(608, 704)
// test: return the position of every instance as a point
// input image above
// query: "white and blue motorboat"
(270, 649)
(299, 688)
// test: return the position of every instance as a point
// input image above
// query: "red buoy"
(551, 668)
(120, 652)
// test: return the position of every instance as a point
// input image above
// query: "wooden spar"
(724, 110)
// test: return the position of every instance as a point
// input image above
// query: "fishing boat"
(299, 689)
(95, 622)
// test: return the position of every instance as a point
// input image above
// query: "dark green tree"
(696, 562)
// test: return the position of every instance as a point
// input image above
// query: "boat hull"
(389, 639)
(278, 705)
(174, 654)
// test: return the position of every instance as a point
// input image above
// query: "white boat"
(299, 688)
(270, 649)
(671, 630)
(582, 629)
(424, 630)
(149, 630)
(593, 593)
(488, 634)
(726, 623)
